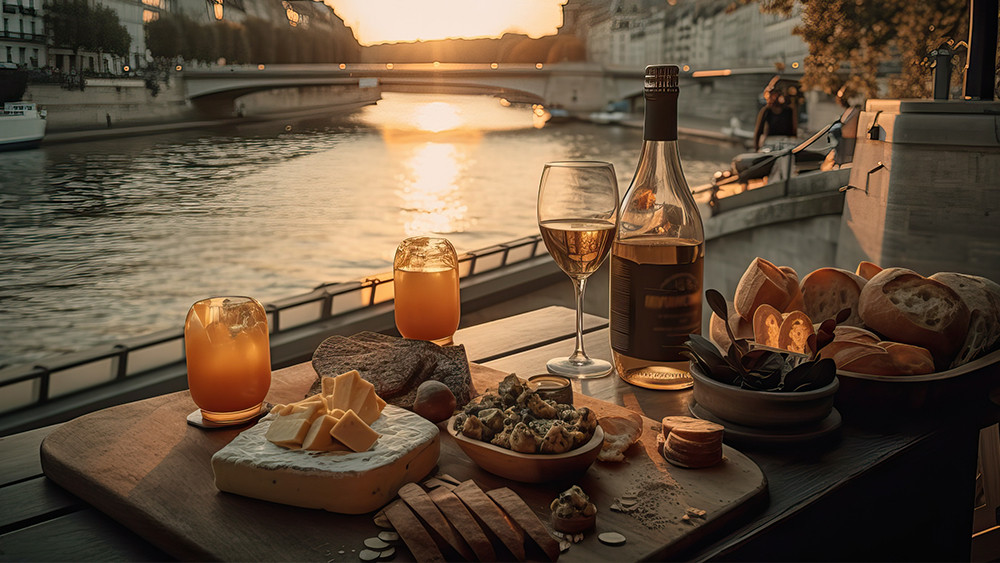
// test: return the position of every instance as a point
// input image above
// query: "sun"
(391, 21)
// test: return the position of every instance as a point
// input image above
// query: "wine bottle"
(657, 256)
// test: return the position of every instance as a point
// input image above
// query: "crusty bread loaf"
(899, 359)
(795, 302)
(904, 306)
(855, 334)
(761, 283)
(867, 269)
(827, 291)
(979, 294)
(717, 329)
(844, 352)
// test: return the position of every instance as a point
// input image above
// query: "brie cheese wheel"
(343, 482)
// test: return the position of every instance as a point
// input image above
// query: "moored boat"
(22, 126)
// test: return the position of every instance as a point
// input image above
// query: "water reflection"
(90, 230)
(436, 117)
(431, 198)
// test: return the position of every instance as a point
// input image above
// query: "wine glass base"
(589, 369)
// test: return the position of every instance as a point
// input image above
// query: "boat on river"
(22, 126)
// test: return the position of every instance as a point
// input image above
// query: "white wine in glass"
(577, 216)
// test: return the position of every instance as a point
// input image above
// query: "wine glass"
(577, 216)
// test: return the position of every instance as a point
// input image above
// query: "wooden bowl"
(529, 468)
(573, 525)
(887, 395)
(762, 409)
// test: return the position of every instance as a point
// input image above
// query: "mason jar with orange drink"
(425, 278)
(228, 358)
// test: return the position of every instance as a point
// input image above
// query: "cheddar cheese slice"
(369, 411)
(327, 384)
(318, 437)
(311, 410)
(354, 433)
(343, 390)
(289, 430)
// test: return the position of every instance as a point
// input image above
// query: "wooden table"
(897, 489)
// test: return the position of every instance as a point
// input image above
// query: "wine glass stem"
(579, 356)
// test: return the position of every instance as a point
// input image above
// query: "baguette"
(899, 359)
(827, 291)
(845, 352)
(904, 306)
(855, 334)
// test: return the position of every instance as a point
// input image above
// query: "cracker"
(464, 522)
(517, 509)
(491, 515)
(425, 508)
(412, 532)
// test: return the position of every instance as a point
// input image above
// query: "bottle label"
(654, 307)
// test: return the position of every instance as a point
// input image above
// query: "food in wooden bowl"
(517, 434)
(765, 386)
(763, 409)
(533, 467)
(572, 511)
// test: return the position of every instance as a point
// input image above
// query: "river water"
(101, 241)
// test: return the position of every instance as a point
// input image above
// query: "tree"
(853, 42)
(75, 25)
(165, 36)
(109, 35)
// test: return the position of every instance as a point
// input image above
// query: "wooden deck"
(898, 488)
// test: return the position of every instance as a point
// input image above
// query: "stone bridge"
(575, 87)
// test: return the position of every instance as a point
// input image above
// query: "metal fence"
(29, 386)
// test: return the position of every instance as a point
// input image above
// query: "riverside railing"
(124, 365)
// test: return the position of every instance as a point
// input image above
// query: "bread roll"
(795, 302)
(867, 269)
(855, 334)
(717, 329)
(906, 307)
(900, 359)
(828, 291)
(844, 352)
(763, 282)
(982, 297)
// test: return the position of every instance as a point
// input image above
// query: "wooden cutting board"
(144, 466)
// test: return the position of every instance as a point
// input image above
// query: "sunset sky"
(386, 21)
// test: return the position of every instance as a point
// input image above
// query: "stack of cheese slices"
(691, 442)
(900, 322)
(338, 418)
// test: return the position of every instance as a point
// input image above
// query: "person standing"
(779, 117)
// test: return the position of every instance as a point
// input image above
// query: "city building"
(22, 38)
(701, 34)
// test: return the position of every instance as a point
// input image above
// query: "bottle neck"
(660, 123)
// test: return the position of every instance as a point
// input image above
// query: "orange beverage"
(228, 358)
(427, 304)
(425, 278)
